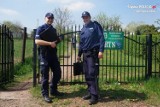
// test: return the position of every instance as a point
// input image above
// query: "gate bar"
(34, 59)
(149, 41)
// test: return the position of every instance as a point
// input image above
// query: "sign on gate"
(114, 40)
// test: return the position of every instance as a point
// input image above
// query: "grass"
(147, 92)
(22, 70)
(18, 49)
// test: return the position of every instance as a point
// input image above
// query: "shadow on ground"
(17, 87)
(74, 93)
(109, 95)
(121, 94)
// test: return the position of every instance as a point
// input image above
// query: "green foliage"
(146, 29)
(22, 69)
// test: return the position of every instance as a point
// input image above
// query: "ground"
(20, 96)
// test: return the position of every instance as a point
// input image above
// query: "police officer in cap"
(47, 39)
(92, 47)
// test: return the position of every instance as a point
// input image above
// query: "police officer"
(47, 39)
(92, 47)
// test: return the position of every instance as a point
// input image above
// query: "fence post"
(24, 44)
(34, 59)
(149, 43)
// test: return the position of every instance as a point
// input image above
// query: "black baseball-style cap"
(49, 15)
(85, 13)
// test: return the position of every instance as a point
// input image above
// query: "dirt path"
(18, 96)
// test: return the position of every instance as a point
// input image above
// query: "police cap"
(85, 13)
(49, 15)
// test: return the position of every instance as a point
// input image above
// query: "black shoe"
(47, 99)
(93, 100)
(87, 97)
(57, 93)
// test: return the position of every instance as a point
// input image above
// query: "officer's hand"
(78, 59)
(100, 55)
(53, 44)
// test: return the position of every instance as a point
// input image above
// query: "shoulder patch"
(37, 36)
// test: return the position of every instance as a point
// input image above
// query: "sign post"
(114, 40)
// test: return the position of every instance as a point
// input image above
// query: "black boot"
(93, 100)
(47, 99)
(87, 97)
(57, 93)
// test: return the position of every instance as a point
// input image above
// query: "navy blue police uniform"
(48, 59)
(91, 43)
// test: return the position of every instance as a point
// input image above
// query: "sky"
(30, 13)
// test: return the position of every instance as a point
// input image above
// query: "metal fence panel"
(6, 55)
(127, 65)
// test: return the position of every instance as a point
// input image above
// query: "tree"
(132, 26)
(102, 19)
(105, 20)
(157, 21)
(147, 29)
(15, 28)
(62, 18)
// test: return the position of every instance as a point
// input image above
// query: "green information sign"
(114, 40)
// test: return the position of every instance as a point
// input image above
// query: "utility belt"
(45, 51)
(93, 50)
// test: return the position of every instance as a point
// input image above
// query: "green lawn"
(21, 69)
(18, 49)
(147, 92)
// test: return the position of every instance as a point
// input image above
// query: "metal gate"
(154, 59)
(6, 55)
(127, 65)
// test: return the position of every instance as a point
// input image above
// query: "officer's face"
(86, 19)
(49, 20)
